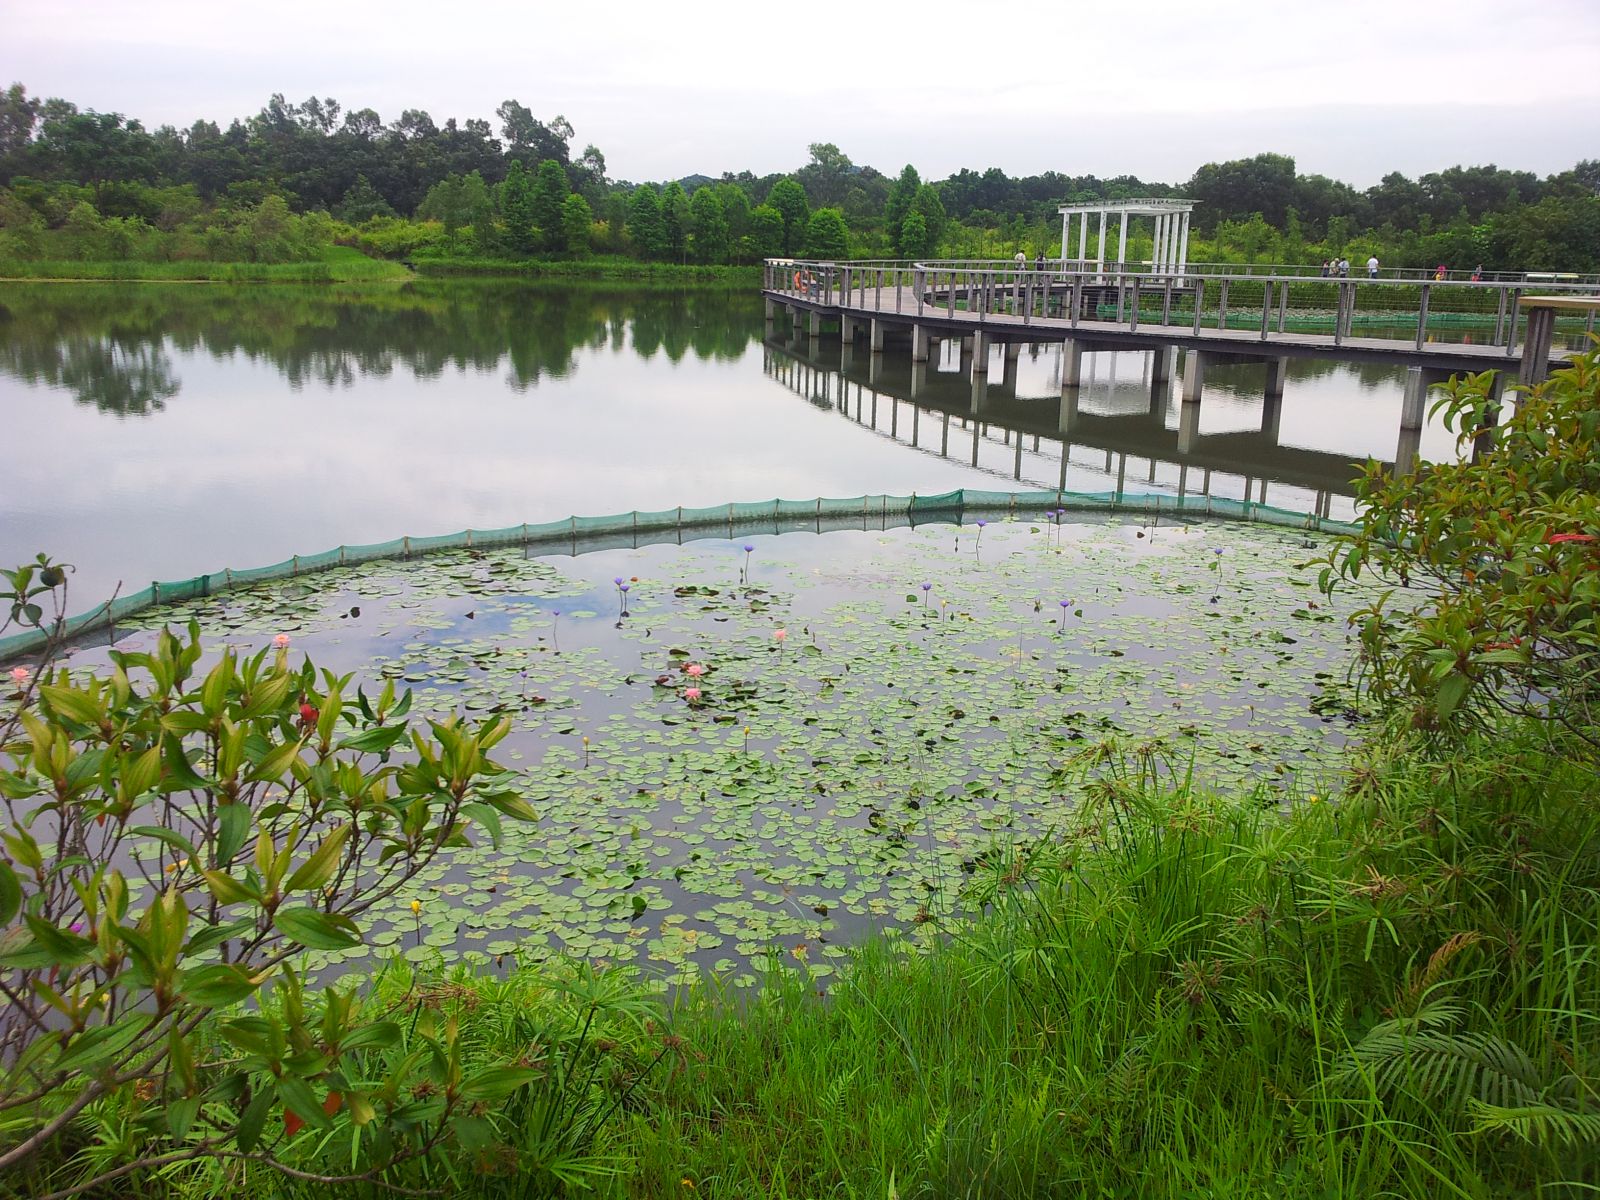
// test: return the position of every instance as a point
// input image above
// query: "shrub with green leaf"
(1505, 545)
(173, 841)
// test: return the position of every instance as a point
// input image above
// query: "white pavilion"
(1170, 217)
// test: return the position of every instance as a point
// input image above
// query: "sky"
(1352, 89)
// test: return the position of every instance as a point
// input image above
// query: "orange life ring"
(797, 280)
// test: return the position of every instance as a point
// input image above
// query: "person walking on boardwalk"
(1372, 267)
(1324, 268)
(1477, 273)
(1038, 263)
(1344, 268)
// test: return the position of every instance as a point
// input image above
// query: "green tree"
(675, 221)
(931, 207)
(550, 193)
(361, 202)
(827, 235)
(898, 204)
(912, 240)
(517, 209)
(766, 232)
(789, 198)
(644, 226)
(577, 225)
(708, 229)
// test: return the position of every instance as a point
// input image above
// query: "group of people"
(1340, 268)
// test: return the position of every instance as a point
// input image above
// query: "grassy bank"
(341, 264)
(1389, 992)
(620, 269)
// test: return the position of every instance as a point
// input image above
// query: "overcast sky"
(1350, 88)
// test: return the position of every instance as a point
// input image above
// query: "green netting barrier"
(581, 535)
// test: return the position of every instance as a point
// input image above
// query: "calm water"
(159, 431)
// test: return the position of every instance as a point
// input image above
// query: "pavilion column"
(1122, 242)
(1066, 222)
(1158, 242)
(1100, 260)
(1183, 245)
(1083, 238)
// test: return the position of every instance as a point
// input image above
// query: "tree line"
(294, 179)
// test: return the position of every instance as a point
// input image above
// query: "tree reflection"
(109, 344)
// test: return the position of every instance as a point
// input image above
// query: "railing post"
(1422, 316)
(1266, 307)
(1075, 297)
(1199, 303)
(1283, 303)
(1511, 329)
(1222, 305)
(1133, 321)
(1338, 316)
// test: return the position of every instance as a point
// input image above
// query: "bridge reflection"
(1145, 436)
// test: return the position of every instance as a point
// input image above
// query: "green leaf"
(486, 816)
(299, 1099)
(177, 841)
(62, 948)
(10, 893)
(375, 740)
(73, 704)
(217, 986)
(318, 869)
(94, 1046)
(1452, 690)
(380, 1035)
(254, 1118)
(227, 889)
(181, 1114)
(234, 822)
(496, 1083)
(317, 930)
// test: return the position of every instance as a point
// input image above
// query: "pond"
(164, 431)
(882, 713)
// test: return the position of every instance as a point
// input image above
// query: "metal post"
(1133, 320)
(1422, 316)
(1266, 308)
(1199, 303)
(1222, 305)
(1511, 311)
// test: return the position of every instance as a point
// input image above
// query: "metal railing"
(1075, 294)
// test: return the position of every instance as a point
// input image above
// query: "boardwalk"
(1254, 316)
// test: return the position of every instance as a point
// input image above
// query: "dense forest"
(294, 181)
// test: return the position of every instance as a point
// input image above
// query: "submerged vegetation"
(1381, 981)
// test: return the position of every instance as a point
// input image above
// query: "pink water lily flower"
(780, 634)
(694, 669)
(281, 641)
(692, 695)
(19, 676)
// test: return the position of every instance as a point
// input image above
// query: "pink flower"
(694, 669)
(281, 641)
(19, 676)
(692, 695)
(780, 634)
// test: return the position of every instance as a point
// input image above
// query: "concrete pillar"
(815, 327)
(1008, 370)
(1083, 238)
(1122, 241)
(1067, 418)
(1408, 450)
(875, 371)
(965, 361)
(1160, 393)
(1013, 351)
(1183, 244)
(1277, 374)
(919, 378)
(1071, 364)
(1490, 418)
(980, 392)
(771, 310)
(1158, 242)
(1100, 259)
(1188, 425)
(1161, 363)
(1194, 375)
(847, 355)
(877, 335)
(919, 343)
(1536, 345)
(1272, 416)
(980, 354)
(1414, 405)
(847, 329)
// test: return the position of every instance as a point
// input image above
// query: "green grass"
(599, 268)
(339, 264)
(1391, 992)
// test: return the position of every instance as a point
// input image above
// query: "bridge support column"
(847, 355)
(1414, 406)
(772, 310)
(1161, 363)
(1067, 420)
(1489, 419)
(980, 392)
(1536, 344)
(980, 354)
(1272, 416)
(877, 336)
(1277, 376)
(1188, 425)
(815, 326)
(1408, 450)
(919, 343)
(874, 371)
(1071, 364)
(1013, 351)
(919, 378)
(1194, 375)
(847, 329)
(966, 356)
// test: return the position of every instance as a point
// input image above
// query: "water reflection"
(175, 430)
(1295, 439)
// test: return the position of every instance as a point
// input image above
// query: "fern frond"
(1538, 1124)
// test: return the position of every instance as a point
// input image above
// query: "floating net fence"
(581, 535)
